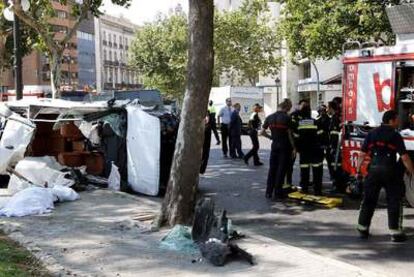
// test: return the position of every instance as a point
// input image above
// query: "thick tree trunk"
(179, 202)
(55, 73)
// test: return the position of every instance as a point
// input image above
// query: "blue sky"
(143, 10)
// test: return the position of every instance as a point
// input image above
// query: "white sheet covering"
(36, 201)
(143, 150)
(13, 144)
(39, 170)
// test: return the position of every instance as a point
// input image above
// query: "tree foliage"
(28, 40)
(40, 18)
(318, 28)
(159, 52)
(245, 43)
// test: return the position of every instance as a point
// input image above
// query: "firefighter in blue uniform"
(382, 146)
(308, 140)
(283, 148)
(296, 116)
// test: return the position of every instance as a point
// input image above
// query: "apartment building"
(36, 65)
(112, 43)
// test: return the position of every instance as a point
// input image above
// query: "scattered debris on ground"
(214, 237)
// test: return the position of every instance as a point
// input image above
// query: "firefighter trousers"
(280, 158)
(394, 189)
(335, 168)
(312, 158)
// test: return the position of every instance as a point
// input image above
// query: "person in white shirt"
(224, 118)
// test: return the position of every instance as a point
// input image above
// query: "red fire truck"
(377, 79)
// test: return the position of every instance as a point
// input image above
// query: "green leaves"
(318, 28)
(246, 45)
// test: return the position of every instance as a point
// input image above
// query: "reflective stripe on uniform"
(362, 228)
(317, 165)
(320, 132)
(305, 165)
(295, 135)
(334, 133)
(313, 127)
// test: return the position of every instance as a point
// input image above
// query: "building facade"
(86, 55)
(36, 65)
(113, 38)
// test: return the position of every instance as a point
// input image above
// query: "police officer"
(283, 148)
(335, 157)
(382, 146)
(295, 116)
(254, 125)
(308, 142)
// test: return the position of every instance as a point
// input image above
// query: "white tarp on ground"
(143, 150)
(39, 171)
(36, 200)
(16, 137)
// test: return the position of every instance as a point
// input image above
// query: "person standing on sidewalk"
(213, 122)
(308, 136)
(295, 116)
(335, 157)
(206, 144)
(254, 125)
(236, 124)
(324, 121)
(224, 118)
(382, 145)
(283, 148)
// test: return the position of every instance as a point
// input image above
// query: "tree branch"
(18, 10)
(82, 16)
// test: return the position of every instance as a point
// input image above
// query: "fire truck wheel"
(409, 185)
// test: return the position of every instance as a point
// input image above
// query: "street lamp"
(277, 83)
(9, 16)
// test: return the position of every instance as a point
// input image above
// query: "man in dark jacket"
(235, 133)
(206, 144)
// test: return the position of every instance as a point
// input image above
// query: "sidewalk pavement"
(94, 237)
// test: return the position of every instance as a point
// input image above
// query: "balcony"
(107, 62)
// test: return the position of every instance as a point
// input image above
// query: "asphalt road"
(240, 189)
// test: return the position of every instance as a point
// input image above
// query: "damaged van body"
(92, 135)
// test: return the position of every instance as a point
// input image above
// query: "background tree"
(179, 202)
(317, 29)
(28, 40)
(245, 41)
(39, 18)
(159, 52)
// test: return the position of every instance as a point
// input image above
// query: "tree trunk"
(179, 202)
(55, 73)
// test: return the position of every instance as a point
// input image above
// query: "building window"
(105, 55)
(307, 72)
(115, 57)
(60, 29)
(110, 56)
(61, 14)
